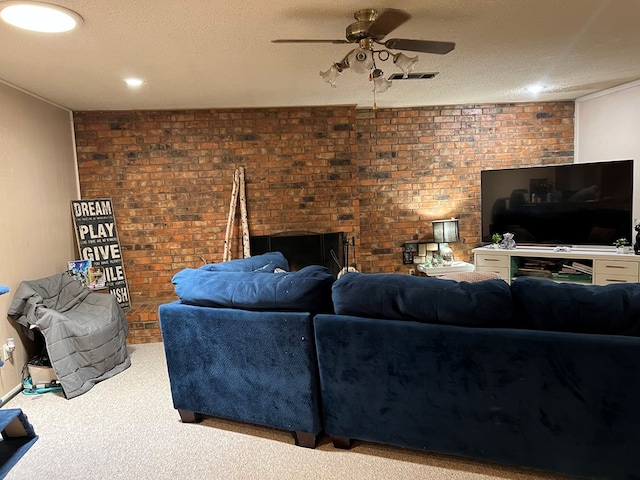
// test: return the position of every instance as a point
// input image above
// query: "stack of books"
(558, 270)
(536, 267)
(574, 272)
(577, 267)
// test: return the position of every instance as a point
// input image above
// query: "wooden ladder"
(238, 190)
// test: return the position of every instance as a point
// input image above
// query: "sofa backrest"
(424, 299)
(542, 304)
(307, 290)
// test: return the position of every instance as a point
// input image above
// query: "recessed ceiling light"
(133, 82)
(39, 17)
(535, 89)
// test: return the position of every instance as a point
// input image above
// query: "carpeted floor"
(126, 428)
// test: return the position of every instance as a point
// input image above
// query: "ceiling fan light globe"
(331, 75)
(380, 84)
(405, 63)
(360, 60)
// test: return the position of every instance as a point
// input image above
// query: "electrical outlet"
(412, 271)
(8, 349)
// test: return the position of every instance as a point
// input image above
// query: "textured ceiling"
(215, 54)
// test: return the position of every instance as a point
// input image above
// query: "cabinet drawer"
(616, 268)
(494, 261)
(502, 271)
(607, 279)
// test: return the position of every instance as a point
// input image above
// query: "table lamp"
(445, 232)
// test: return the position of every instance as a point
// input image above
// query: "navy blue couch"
(539, 375)
(239, 343)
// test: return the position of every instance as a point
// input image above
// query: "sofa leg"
(305, 439)
(341, 442)
(188, 416)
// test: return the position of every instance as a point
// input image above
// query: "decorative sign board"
(98, 241)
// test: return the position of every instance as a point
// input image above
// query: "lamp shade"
(331, 75)
(380, 84)
(446, 231)
(360, 60)
(405, 63)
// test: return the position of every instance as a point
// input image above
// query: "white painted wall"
(607, 127)
(38, 179)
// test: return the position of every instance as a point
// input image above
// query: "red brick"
(169, 175)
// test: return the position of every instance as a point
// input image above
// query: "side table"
(455, 267)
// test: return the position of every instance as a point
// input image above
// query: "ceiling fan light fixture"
(405, 63)
(331, 75)
(380, 84)
(369, 30)
(360, 60)
(39, 17)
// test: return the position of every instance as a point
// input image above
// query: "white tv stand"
(608, 266)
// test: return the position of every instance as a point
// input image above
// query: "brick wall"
(380, 176)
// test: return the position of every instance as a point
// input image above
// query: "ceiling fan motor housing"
(357, 31)
(360, 29)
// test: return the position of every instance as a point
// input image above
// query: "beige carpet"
(126, 428)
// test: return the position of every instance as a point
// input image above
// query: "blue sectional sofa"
(239, 343)
(539, 375)
(536, 374)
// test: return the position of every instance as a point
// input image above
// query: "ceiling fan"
(369, 30)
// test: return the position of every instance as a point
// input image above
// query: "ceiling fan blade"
(387, 21)
(294, 40)
(424, 46)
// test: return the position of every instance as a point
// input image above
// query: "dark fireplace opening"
(302, 249)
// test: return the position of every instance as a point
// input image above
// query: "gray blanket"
(85, 332)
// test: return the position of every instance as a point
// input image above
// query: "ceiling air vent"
(413, 76)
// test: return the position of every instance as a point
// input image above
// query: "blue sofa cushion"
(307, 290)
(566, 307)
(423, 299)
(266, 263)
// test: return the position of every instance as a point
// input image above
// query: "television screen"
(575, 204)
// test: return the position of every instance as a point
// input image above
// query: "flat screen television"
(574, 204)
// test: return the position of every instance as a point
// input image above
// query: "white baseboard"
(12, 393)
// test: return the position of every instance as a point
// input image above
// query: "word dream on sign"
(92, 208)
